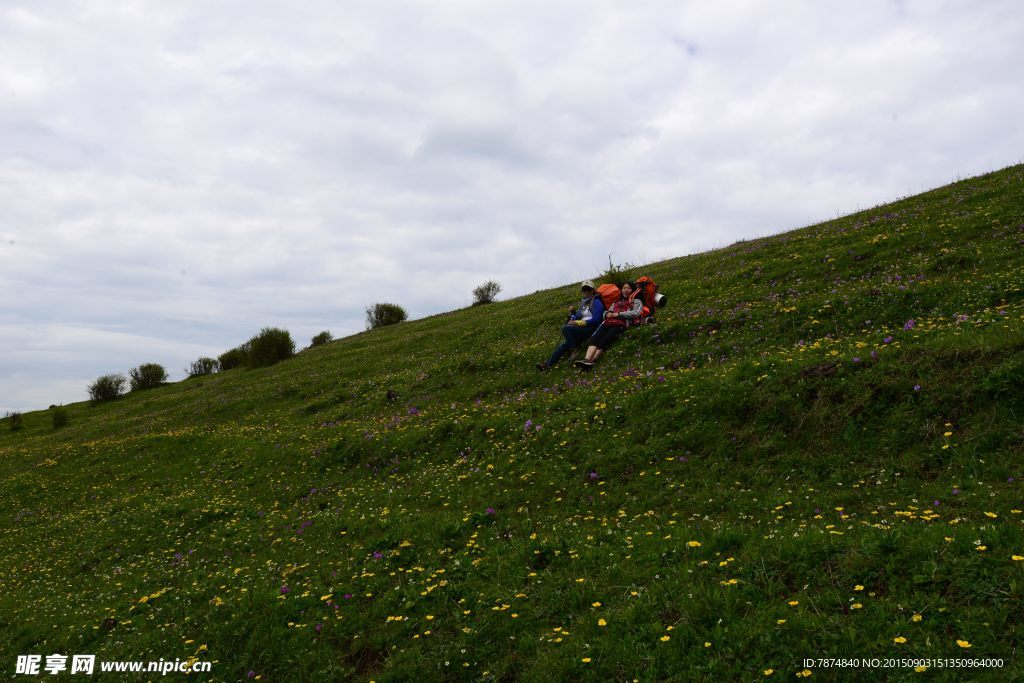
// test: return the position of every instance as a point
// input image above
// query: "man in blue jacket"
(581, 324)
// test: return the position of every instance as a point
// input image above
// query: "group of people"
(592, 324)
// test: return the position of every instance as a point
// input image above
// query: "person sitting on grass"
(580, 325)
(617, 318)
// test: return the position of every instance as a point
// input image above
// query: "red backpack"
(609, 294)
(647, 290)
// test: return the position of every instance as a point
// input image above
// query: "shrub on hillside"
(271, 345)
(485, 293)
(380, 315)
(59, 416)
(234, 358)
(619, 274)
(107, 388)
(14, 420)
(202, 366)
(147, 376)
(321, 339)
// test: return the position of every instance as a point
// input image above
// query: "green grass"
(703, 506)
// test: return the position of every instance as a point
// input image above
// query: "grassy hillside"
(816, 452)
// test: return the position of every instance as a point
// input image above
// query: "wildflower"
(858, 587)
(491, 511)
(991, 514)
(693, 544)
(793, 603)
(285, 590)
(909, 325)
(916, 618)
(665, 639)
(899, 640)
(1017, 558)
(887, 340)
(917, 387)
(769, 672)
(963, 643)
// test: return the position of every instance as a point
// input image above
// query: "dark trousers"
(606, 334)
(574, 336)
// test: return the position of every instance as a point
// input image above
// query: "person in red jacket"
(617, 318)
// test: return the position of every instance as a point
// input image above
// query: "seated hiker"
(620, 315)
(581, 323)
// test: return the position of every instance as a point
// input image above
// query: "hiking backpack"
(647, 290)
(609, 294)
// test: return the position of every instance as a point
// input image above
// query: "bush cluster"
(234, 358)
(381, 315)
(619, 274)
(485, 293)
(107, 388)
(321, 339)
(147, 376)
(271, 345)
(59, 416)
(14, 420)
(202, 366)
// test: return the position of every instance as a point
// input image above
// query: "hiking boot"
(583, 364)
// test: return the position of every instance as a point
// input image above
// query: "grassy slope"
(705, 504)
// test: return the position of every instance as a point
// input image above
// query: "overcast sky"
(175, 176)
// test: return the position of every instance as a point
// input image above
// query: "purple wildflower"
(377, 554)
(887, 339)
(909, 325)
(593, 475)
(917, 387)
(285, 590)
(490, 511)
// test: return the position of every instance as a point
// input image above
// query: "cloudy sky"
(175, 176)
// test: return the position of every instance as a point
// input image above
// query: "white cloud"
(186, 173)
